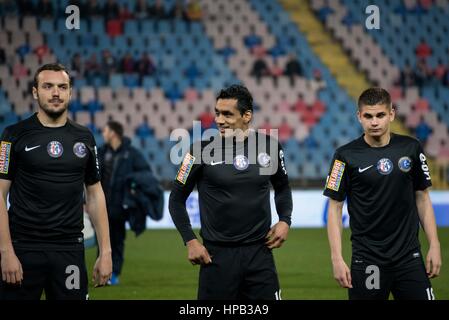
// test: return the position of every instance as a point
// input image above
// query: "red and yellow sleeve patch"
(184, 170)
(5, 152)
(336, 175)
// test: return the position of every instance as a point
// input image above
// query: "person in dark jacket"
(119, 163)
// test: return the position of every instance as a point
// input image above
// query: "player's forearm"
(284, 204)
(96, 208)
(5, 236)
(179, 215)
(427, 217)
(335, 230)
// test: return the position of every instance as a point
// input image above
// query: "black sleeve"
(92, 173)
(336, 182)
(282, 191)
(186, 178)
(7, 159)
(420, 170)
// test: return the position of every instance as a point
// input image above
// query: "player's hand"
(102, 270)
(197, 253)
(277, 235)
(11, 268)
(433, 261)
(342, 273)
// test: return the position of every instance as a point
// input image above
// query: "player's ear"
(34, 93)
(247, 116)
(359, 116)
(392, 113)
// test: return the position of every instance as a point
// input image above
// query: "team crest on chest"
(264, 159)
(80, 150)
(55, 149)
(241, 162)
(384, 166)
(405, 164)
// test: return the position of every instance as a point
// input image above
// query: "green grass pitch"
(156, 267)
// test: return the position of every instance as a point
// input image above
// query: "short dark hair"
(52, 67)
(241, 94)
(116, 126)
(373, 96)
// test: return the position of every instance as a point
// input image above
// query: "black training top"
(233, 180)
(380, 184)
(48, 168)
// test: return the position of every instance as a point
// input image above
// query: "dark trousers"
(117, 233)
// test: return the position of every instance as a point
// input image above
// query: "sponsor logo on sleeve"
(184, 170)
(5, 152)
(334, 180)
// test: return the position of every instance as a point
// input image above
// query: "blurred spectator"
(178, 11)
(44, 9)
(423, 131)
(422, 105)
(207, 118)
(19, 70)
(440, 71)
(443, 154)
(145, 66)
(157, 11)
(108, 65)
(423, 73)
(11, 7)
(194, 12)
(93, 69)
(276, 51)
(426, 4)
(141, 10)
(77, 66)
(127, 64)
(318, 108)
(310, 143)
(41, 51)
(407, 78)
(111, 10)
(324, 11)
(260, 68)
(423, 50)
(293, 68)
(285, 131)
(144, 130)
(93, 9)
(23, 50)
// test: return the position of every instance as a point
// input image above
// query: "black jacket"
(131, 190)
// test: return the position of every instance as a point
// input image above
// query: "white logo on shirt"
(213, 163)
(364, 169)
(29, 149)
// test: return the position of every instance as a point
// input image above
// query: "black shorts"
(61, 274)
(408, 281)
(239, 273)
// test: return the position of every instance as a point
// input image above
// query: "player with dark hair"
(385, 179)
(46, 161)
(234, 197)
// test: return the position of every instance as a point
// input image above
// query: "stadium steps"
(334, 57)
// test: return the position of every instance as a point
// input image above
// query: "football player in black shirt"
(45, 163)
(385, 179)
(233, 173)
